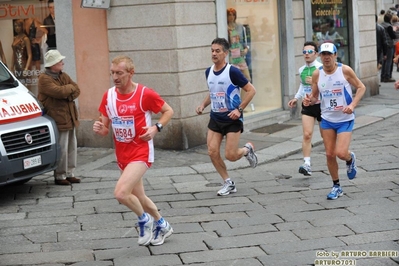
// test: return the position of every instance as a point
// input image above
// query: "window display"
(23, 37)
(330, 25)
(253, 34)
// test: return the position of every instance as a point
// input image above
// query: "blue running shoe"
(335, 192)
(351, 169)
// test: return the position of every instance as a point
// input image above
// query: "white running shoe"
(160, 233)
(145, 231)
(305, 169)
(251, 155)
(227, 189)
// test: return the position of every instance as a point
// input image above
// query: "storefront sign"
(238, 2)
(327, 12)
(9, 11)
(326, 2)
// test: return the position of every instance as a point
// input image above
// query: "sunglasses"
(308, 51)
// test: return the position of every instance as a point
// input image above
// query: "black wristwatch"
(240, 109)
(159, 126)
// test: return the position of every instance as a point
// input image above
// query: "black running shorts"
(312, 110)
(225, 127)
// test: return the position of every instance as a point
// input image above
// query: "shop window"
(330, 24)
(254, 38)
(21, 25)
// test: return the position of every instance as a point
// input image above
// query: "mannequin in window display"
(49, 22)
(332, 34)
(238, 45)
(317, 34)
(21, 51)
(334, 37)
(35, 31)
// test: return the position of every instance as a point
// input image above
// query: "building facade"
(169, 42)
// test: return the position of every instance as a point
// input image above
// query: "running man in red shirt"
(128, 107)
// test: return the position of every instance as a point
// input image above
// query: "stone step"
(261, 120)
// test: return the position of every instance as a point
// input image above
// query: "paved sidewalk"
(270, 147)
(277, 216)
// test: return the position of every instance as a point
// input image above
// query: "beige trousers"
(68, 158)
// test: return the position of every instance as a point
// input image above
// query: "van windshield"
(6, 80)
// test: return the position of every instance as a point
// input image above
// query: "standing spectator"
(226, 119)
(127, 107)
(309, 113)
(386, 70)
(57, 92)
(396, 54)
(49, 22)
(395, 26)
(381, 44)
(392, 11)
(381, 16)
(333, 83)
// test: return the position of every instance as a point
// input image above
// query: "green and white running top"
(304, 72)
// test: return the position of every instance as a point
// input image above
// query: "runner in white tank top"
(335, 95)
(226, 118)
(333, 82)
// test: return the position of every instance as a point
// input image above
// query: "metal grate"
(15, 141)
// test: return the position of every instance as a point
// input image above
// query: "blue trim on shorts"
(339, 127)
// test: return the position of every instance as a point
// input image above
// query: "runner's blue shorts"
(340, 127)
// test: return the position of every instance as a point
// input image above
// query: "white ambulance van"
(28, 138)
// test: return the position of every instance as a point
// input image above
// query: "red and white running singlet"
(128, 114)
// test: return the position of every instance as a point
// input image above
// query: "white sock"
(307, 160)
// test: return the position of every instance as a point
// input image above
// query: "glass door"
(256, 25)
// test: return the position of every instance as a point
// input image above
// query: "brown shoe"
(73, 179)
(62, 182)
(390, 80)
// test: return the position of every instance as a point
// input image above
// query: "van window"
(7, 81)
(4, 75)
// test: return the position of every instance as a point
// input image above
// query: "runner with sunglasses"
(309, 113)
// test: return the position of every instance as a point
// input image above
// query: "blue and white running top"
(335, 94)
(224, 94)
